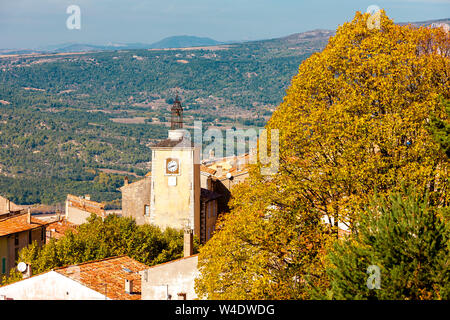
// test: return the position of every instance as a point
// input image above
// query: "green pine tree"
(441, 128)
(403, 236)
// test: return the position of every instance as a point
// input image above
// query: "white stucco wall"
(170, 278)
(49, 286)
(76, 216)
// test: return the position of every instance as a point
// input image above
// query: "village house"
(115, 278)
(136, 199)
(17, 232)
(173, 280)
(79, 209)
(222, 174)
(56, 229)
(8, 208)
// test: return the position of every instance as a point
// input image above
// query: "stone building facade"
(136, 199)
(79, 209)
(8, 208)
(17, 232)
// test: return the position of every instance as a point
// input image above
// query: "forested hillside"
(64, 117)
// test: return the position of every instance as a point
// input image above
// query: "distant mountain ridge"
(182, 41)
(186, 41)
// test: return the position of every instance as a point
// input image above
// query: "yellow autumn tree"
(354, 122)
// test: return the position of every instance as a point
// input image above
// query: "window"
(30, 237)
(3, 265)
(42, 234)
(16, 239)
(147, 210)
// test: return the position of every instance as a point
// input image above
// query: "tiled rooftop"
(204, 168)
(18, 223)
(108, 276)
(59, 228)
(228, 165)
(87, 205)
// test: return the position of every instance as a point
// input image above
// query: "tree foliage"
(407, 239)
(355, 117)
(353, 122)
(100, 239)
(441, 128)
(268, 247)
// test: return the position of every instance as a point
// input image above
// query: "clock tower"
(175, 187)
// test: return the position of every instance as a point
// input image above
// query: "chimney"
(87, 197)
(28, 273)
(218, 171)
(129, 286)
(8, 206)
(58, 216)
(239, 164)
(125, 181)
(29, 216)
(188, 243)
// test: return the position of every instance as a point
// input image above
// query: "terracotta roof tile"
(108, 276)
(59, 228)
(206, 169)
(87, 205)
(228, 165)
(19, 223)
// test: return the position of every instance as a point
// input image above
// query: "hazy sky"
(34, 23)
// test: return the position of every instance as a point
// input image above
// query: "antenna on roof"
(176, 115)
(22, 267)
(127, 270)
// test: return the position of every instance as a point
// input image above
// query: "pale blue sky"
(33, 23)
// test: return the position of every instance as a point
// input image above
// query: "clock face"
(172, 166)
